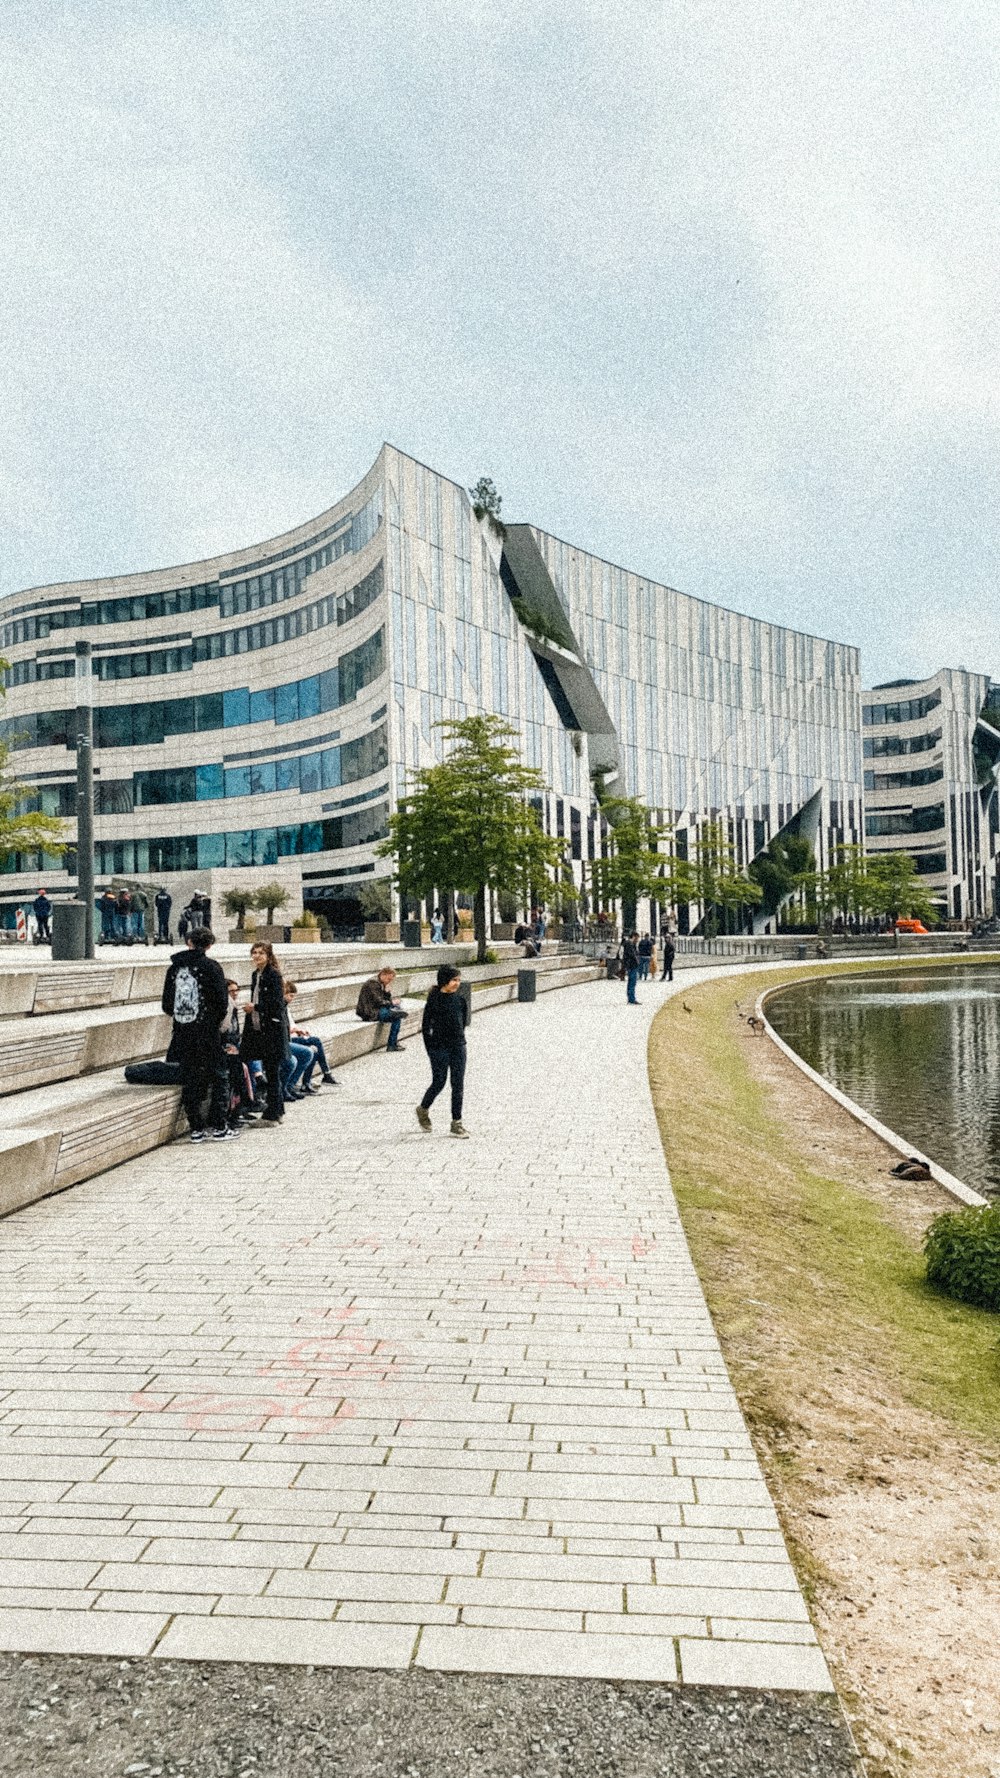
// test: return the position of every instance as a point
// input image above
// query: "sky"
(707, 287)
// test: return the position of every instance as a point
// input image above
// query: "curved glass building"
(262, 710)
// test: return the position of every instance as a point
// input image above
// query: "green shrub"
(963, 1255)
(491, 956)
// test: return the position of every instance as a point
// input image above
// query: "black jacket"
(630, 956)
(195, 996)
(271, 1032)
(444, 1021)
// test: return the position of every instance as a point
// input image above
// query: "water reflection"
(921, 1051)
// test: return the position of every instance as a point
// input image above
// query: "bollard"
(465, 989)
(526, 985)
(410, 933)
(69, 930)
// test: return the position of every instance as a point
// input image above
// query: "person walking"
(195, 996)
(265, 1029)
(645, 954)
(669, 951)
(163, 902)
(41, 907)
(377, 1006)
(443, 1030)
(630, 965)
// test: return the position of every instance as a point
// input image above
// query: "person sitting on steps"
(377, 1006)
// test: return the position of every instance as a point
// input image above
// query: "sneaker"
(394, 1049)
(199, 1135)
(328, 1081)
(424, 1118)
(458, 1128)
(310, 1088)
(223, 1135)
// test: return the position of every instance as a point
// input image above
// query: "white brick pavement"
(351, 1394)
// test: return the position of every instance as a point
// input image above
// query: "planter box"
(306, 935)
(242, 935)
(381, 932)
(269, 935)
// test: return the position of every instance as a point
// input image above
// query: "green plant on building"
(237, 904)
(486, 504)
(269, 898)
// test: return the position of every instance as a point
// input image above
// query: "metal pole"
(85, 791)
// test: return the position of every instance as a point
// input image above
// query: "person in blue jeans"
(630, 964)
(306, 1052)
(645, 953)
(377, 1006)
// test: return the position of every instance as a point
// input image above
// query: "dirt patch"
(891, 1506)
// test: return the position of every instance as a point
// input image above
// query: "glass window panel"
(289, 841)
(286, 702)
(114, 725)
(179, 716)
(329, 689)
(211, 851)
(265, 845)
(312, 836)
(331, 768)
(209, 782)
(208, 711)
(237, 780)
(309, 696)
(147, 724)
(287, 774)
(262, 705)
(262, 778)
(235, 708)
(310, 772)
(239, 849)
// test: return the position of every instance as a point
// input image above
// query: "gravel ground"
(73, 1718)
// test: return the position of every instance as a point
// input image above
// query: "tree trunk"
(479, 923)
(628, 915)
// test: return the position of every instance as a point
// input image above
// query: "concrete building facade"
(262, 711)
(932, 757)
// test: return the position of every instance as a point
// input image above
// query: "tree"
(269, 897)
(486, 504)
(633, 865)
(718, 882)
(846, 887)
(237, 901)
(22, 828)
(785, 866)
(896, 888)
(374, 899)
(467, 824)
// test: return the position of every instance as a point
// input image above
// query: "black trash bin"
(526, 985)
(410, 934)
(69, 931)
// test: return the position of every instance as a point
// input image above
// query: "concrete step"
(60, 1045)
(56, 1135)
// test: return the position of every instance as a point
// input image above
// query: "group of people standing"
(241, 1061)
(637, 961)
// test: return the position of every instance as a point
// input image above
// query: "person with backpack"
(195, 996)
(443, 1030)
(41, 907)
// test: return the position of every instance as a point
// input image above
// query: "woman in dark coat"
(265, 1029)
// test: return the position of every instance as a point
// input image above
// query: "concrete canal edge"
(957, 1187)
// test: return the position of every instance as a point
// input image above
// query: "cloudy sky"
(706, 286)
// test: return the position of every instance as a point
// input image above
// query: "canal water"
(919, 1049)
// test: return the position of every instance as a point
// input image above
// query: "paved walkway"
(352, 1395)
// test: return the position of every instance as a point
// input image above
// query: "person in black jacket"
(265, 1030)
(163, 902)
(443, 1029)
(195, 996)
(630, 965)
(669, 952)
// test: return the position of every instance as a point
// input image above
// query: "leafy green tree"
(785, 866)
(23, 829)
(846, 888)
(269, 897)
(237, 902)
(896, 889)
(468, 825)
(633, 867)
(374, 900)
(719, 884)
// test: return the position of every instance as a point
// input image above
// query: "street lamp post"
(85, 791)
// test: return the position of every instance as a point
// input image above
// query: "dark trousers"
(271, 1058)
(668, 968)
(43, 928)
(392, 1016)
(633, 977)
(240, 1095)
(441, 1061)
(204, 1076)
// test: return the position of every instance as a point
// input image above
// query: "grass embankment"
(846, 1283)
(874, 1402)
